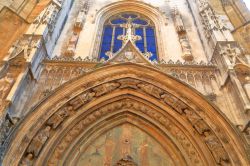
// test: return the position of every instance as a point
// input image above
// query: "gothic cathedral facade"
(124, 82)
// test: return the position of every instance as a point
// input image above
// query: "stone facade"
(60, 103)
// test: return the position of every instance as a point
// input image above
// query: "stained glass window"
(117, 27)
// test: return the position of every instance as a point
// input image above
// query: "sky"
(247, 3)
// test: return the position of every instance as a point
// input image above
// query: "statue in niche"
(59, 117)
(196, 121)
(37, 143)
(183, 39)
(186, 49)
(105, 88)
(150, 89)
(28, 160)
(5, 86)
(179, 25)
(219, 153)
(72, 44)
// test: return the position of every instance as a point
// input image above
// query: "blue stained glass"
(118, 21)
(106, 41)
(117, 43)
(149, 38)
(141, 22)
(140, 43)
(151, 43)
(139, 32)
(129, 15)
(108, 31)
(150, 32)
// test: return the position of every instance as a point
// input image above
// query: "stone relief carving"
(25, 45)
(59, 117)
(28, 160)
(78, 26)
(5, 86)
(150, 89)
(214, 28)
(174, 102)
(186, 49)
(196, 121)
(82, 99)
(230, 54)
(193, 118)
(217, 149)
(105, 88)
(48, 17)
(129, 104)
(38, 142)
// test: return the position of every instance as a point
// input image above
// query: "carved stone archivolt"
(184, 119)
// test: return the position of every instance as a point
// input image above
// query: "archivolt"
(195, 132)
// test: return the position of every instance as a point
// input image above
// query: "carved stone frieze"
(105, 88)
(48, 17)
(230, 54)
(196, 121)
(199, 125)
(82, 99)
(24, 46)
(126, 104)
(38, 141)
(214, 28)
(60, 116)
(150, 89)
(171, 100)
(217, 150)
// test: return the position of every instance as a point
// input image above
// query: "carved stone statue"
(150, 89)
(28, 160)
(196, 121)
(5, 86)
(38, 142)
(72, 45)
(175, 103)
(219, 153)
(186, 49)
(105, 88)
(183, 38)
(179, 25)
(59, 117)
(81, 99)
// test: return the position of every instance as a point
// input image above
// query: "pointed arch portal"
(122, 114)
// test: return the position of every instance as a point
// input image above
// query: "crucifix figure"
(130, 26)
